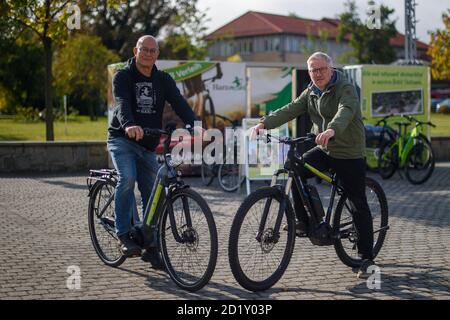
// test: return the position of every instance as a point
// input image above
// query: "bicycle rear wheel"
(229, 177)
(189, 252)
(208, 173)
(257, 264)
(343, 225)
(101, 220)
(420, 161)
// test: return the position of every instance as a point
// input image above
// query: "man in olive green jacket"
(333, 106)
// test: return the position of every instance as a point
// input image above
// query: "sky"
(428, 12)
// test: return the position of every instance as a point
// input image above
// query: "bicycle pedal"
(136, 255)
(301, 234)
(132, 255)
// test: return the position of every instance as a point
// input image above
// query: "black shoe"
(364, 272)
(153, 256)
(300, 229)
(128, 247)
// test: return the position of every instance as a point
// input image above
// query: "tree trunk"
(48, 89)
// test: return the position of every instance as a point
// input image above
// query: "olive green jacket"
(337, 108)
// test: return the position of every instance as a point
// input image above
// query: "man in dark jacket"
(140, 92)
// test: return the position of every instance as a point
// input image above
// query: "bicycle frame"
(405, 142)
(293, 171)
(167, 180)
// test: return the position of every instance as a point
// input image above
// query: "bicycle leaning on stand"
(228, 174)
(177, 220)
(410, 151)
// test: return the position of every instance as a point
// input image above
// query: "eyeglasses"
(318, 70)
(148, 50)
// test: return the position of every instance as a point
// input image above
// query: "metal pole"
(65, 115)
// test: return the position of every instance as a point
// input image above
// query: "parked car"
(443, 106)
(434, 103)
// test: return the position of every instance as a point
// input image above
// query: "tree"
(48, 19)
(80, 71)
(318, 43)
(181, 47)
(185, 38)
(120, 27)
(21, 71)
(439, 50)
(369, 45)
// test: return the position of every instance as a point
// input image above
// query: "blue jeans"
(133, 163)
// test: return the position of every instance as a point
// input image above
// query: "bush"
(27, 113)
(58, 114)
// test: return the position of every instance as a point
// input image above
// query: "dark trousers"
(351, 174)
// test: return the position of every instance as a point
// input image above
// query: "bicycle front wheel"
(344, 227)
(258, 263)
(188, 240)
(420, 161)
(387, 160)
(101, 220)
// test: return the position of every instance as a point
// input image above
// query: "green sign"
(189, 69)
(394, 90)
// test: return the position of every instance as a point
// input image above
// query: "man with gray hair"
(333, 106)
(140, 92)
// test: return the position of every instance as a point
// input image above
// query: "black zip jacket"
(140, 101)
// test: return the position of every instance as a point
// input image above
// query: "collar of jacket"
(316, 91)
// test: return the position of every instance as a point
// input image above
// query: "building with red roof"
(257, 36)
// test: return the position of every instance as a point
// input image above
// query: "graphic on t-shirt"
(145, 97)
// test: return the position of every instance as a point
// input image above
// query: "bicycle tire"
(224, 171)
(208, 114)
(97, 225)
(180, 276)
(381, 214)
(387, 160)
(415, 154)
(207, 172)
(242, 277)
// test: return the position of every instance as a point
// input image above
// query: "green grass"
(80, 128)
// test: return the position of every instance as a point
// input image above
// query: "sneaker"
(300, 229)
(153, 256)
(363, 272)
(128, 247)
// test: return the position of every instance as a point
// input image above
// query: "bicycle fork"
(173, 224)
(275, 232)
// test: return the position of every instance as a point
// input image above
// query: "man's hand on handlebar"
(323, 137)
(134, 132)
(254, 131)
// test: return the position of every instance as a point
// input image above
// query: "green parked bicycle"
(410, 151)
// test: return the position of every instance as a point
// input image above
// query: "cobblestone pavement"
(44, 231)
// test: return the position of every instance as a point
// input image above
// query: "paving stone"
(45, 230)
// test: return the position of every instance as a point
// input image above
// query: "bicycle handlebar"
(170, 128)
(168, 131)
(418, 122)
(289, 141)
(384, 120)
(409, 118)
